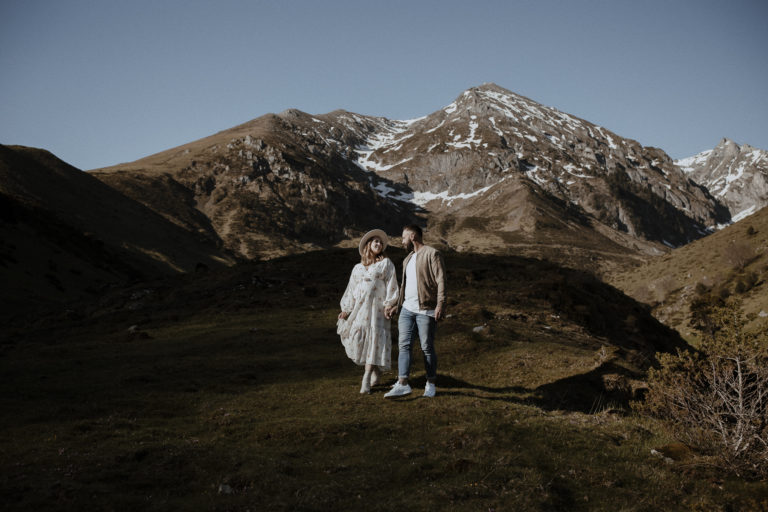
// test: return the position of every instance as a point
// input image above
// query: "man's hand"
(438, 313)
(389, 312)
(343, 315)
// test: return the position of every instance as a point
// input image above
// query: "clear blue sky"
(102, 82)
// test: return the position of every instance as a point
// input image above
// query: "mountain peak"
(490, 86)
(489, 98)
(728, 148)
(292, 113)
(737, 175)
(490, 90)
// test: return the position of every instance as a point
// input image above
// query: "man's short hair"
(413, 228)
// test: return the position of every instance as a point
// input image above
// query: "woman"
(362, 324)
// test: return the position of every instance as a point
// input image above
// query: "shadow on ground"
(607, 387)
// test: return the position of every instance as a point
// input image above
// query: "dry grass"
(240, 397)
(718, 262)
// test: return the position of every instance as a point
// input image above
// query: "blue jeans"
(409, 324)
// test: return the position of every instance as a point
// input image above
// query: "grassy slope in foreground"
(240, 397)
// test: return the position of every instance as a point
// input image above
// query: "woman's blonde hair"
(368, 257)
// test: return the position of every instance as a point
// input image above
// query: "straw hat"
(372, 233)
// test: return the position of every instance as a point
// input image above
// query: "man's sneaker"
(399, 390)
(429, 389)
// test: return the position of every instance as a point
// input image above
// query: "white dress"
(365, 333)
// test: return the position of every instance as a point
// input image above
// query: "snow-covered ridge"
(517, 107)
(689, 164)
(735, 174)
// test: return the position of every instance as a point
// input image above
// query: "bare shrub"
(716, 399)
(664, 286)
(643, 294)
(739, 254)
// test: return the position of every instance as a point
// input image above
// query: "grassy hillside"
(733, 261)
(232, 392)
(65, 235)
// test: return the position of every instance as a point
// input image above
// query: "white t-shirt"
(411, 300)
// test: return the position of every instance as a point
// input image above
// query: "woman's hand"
(343, 315)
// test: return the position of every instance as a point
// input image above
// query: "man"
(422, 303)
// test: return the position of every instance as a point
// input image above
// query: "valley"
(169, 336)
(230, 390)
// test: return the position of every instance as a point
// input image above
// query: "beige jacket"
(430, 270)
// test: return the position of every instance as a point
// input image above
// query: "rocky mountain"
(275, 185)
(493, 171)
(736, 175)
(460, 159)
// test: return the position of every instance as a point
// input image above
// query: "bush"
(701, 313)
(750, 280)
(739, 254)
(701, 288)
(723, 291)
(746, 282)
(716, 399)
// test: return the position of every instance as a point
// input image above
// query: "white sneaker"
(399, 390)
(429, 389)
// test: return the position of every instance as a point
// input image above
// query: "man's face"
(407, 240)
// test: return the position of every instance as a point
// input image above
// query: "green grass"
(242, 399)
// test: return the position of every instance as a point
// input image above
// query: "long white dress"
(365, 333)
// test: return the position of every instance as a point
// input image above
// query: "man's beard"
(409, 246)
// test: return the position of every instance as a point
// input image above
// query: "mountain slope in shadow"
(65, 233)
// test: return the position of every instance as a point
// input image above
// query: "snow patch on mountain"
(467, 143)
(744, 214)
(532, 172)
(422, 198)
(688, 165)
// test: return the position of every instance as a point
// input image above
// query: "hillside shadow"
(543, 289)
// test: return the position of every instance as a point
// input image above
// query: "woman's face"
(376, 246)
